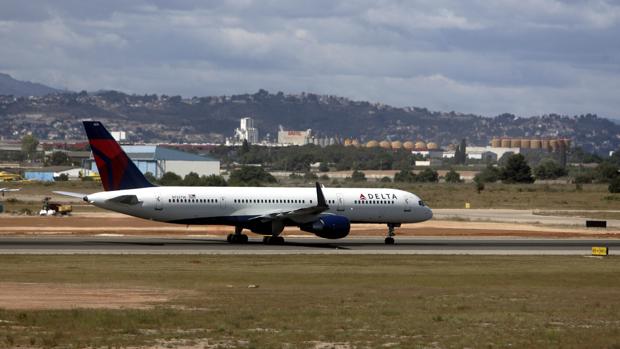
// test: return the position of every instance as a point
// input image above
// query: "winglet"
(320, 198)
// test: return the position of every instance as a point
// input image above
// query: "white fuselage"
(230, 205)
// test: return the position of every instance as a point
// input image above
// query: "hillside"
(201, 119)
(10, 86)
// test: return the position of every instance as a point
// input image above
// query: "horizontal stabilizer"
(71, 194)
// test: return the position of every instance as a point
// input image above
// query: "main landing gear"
(389, 238)
(273, 240)
(237, 237)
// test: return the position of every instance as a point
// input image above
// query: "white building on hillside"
(247, 131)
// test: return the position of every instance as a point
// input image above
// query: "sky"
(526, 57)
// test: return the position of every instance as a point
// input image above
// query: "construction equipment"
(53, 208)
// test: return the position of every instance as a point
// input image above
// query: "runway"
(298, 245)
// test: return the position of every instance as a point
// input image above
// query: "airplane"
(325, 212)
(4, 190)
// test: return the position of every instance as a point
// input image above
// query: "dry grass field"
(309, 301)
(556, 197)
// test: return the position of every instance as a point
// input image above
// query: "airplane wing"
(300, 215)
(4, 190)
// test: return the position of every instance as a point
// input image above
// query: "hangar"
(159, 160)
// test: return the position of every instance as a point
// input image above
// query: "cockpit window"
(421, 203)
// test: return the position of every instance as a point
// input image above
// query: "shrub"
(427, 175)
(170, 179)
(405, 176)
(489, 175)
(549, 169)
(251, 176)
(453, 177)
(614, 185)
(358, 176)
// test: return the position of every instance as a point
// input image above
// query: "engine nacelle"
(328, 227)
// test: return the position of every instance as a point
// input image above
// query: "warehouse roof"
(156, 152)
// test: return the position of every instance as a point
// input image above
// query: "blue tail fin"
(117, 171)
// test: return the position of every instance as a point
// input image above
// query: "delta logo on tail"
(117, 171)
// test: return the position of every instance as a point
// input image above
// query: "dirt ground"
(97, 223)
(37, 296)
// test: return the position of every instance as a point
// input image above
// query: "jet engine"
(328, 227)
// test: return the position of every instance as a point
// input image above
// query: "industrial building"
(159, 160)
(247, 131)
(549, 144)
(294, 137)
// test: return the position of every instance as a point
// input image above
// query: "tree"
(192, 179)
(59, 158)
(358, 176)
(250, 176)
(549, 169)
(460, 154)
(29, 146)
(479, 185)
(245, 147)
(213, 181)
(150, 177)
(428, 175)
(516, 170)
(606, 171)
(490, 174)
(453, 177)
(614, 185)
(170, 179)
(405, 176)
(323, 167)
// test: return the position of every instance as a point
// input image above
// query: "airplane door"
(407, 205)
(340, 203)
(222, 202)
(158, 204)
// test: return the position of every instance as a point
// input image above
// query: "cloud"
(526, 57)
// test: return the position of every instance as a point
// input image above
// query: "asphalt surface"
(357, 245)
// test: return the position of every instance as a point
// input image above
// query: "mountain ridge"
(18, 88)
(153, 118)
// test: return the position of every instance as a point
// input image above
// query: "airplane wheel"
(389, 241)
(273, 240)
(237, 239)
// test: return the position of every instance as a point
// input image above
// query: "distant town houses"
(174, 119)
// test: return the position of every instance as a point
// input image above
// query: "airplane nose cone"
(428, 214)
